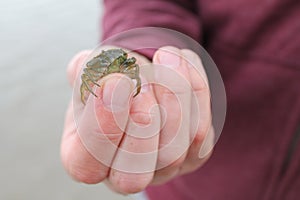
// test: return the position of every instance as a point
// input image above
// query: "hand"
(106, 151)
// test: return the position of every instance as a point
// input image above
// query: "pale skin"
(84, 167)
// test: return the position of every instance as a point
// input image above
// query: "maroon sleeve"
(178, 15)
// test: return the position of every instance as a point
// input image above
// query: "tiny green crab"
(107, 62)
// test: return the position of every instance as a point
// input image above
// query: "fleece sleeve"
(178, 15)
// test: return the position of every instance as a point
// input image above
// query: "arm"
(178, 157)
(177, 15)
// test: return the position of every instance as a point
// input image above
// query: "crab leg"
(86, 84)
(86, 71)
(132, 72)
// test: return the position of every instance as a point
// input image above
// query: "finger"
(134, 165)
(97, 130)
(104, 118)
(173, 95)
(77, 161)
(200, 113)
(75, 65)
(71, 146)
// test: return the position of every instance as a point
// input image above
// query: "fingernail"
(116, 93)
(145, 85)
(190, 58)
(145, 88)
(170, 58)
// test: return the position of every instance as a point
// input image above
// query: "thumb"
(103, 120)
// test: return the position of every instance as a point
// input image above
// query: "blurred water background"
(37, 40)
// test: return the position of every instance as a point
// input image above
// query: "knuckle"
(142, 118)
(176, 89)
(112, 137)
(170, 161)
(199, 138)
(200, 86)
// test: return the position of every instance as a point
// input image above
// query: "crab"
(107, 62)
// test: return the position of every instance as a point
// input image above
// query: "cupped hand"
(130, 143)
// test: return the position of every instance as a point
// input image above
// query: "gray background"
(37, 39)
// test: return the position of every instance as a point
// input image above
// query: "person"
(255, 45)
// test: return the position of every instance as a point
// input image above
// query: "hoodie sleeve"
(178, 15)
